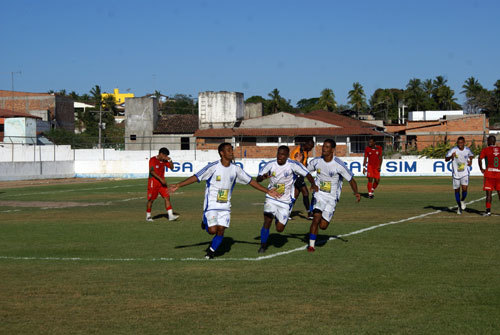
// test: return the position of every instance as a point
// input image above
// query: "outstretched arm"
(354, 187)
(262, 177)
(257, 186)
(183, 183)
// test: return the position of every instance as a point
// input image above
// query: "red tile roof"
(177, 124)
(6, 113)
(336, 119)
(4, 93)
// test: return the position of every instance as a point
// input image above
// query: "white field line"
(260, 258)
(73, 190)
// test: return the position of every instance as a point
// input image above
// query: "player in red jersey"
(492, 172)
(157, 183)
(373, 156)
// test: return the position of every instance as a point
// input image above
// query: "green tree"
(307, 105)
(357, 98)
(96, 96)
(327, 101)
(278, 103)
(415, 94)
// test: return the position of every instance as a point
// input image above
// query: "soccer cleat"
(290, 218)
(262, 249)
(150, 219)
(370, 196)
(173, 217)
(210, 254)
(310, 249)
(462, 205)
(310, 216)
(459, 211)
(487, 213)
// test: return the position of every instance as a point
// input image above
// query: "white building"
(432, 115)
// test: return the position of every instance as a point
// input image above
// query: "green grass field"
(81, 259)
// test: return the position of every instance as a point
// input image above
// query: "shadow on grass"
(162, 216)
(296, 214)
(224, 247)
(441, 208)
(364, 195)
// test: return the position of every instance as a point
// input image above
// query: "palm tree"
(471, 87)
(414, 94)
(275, 100)
(357, 97)
(96, 95)
(327, 100)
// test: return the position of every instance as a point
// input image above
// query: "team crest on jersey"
(286, 174)
(217, 178)
(319, 170)
(273, 174)
(331, 174)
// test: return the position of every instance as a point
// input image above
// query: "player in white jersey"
(330, 173)
(282, 173)
(461, 157)
(220, 177)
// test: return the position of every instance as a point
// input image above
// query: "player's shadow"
(225, 246)
(441, 208)
(364, 195)
(322, 240)
(295, 214)
(473, 211)
(161, 216)
(278, 240)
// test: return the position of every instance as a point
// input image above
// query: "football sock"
(148, 214)
(307, 204)
(264, 235)
(312, 240)
(216, 241)
(464, 195)
(488, 205)
(375, 184)
(170, 211)
(457, 198)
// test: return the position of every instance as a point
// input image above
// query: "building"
(432, 115)
(54, 111)
(419, 135)
(18, 127)
(119, 97)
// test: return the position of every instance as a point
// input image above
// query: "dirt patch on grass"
(50, 204)
(46, 182)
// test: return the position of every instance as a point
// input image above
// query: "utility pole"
(12, 78)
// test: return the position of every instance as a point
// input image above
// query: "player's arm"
(449, 156)
(257, 186)
(354, 187)
(314, 187)
(156, 176)
(185, 182)
(261, 178)
(364, 162)
(380, 158)
(480, 162)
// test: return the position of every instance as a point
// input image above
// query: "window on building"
(247, 140)
(184, 143)
(272, 139)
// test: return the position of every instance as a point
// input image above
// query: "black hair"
(164, 151)
(309, 140)
(492, 138)
(372, 138)
(332, 142)
(284, 147)
(222, 146)
(461, 138)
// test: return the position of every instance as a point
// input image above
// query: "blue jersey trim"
(343, 165)
(202, 171)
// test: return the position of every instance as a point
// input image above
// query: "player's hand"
(173, 188)
(314, 188)
(453, 155)
(272, 192)
(364, 170)
(358, 197)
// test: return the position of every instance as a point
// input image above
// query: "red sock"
(488, 205)
(148, 211)
(375, 184)
(369, 187)
(169, 207)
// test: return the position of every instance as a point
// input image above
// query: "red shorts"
(491, 184)
(372, 172)
(155, 187)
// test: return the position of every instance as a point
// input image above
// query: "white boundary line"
(260, 258)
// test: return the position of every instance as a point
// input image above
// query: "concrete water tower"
(220, 109)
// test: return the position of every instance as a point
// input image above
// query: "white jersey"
(461, 161)
(282, 178)
(220, 184)
(329, 176)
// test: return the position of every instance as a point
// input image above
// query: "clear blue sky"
(299, 47)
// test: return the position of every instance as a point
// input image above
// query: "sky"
(298, 47)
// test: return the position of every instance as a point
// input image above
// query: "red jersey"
(158, 167)
(492, 155)
(373, 155)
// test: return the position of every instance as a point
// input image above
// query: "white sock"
(170, 212)
(148, 215)
(312, 242)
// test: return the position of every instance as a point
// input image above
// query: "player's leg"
(168, 204)
(456, 189)
(488, 186)
(152, 195)
(264, 231)
(313, 230)
(217, 223)
(369, 187)
(306, 202)
(148, 210)
(464, 183)
(376, 181)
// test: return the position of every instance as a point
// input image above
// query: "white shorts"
(217, 218)
(326, 204)
(461, 181)
(280, 210)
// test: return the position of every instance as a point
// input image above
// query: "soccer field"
(80, 258)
